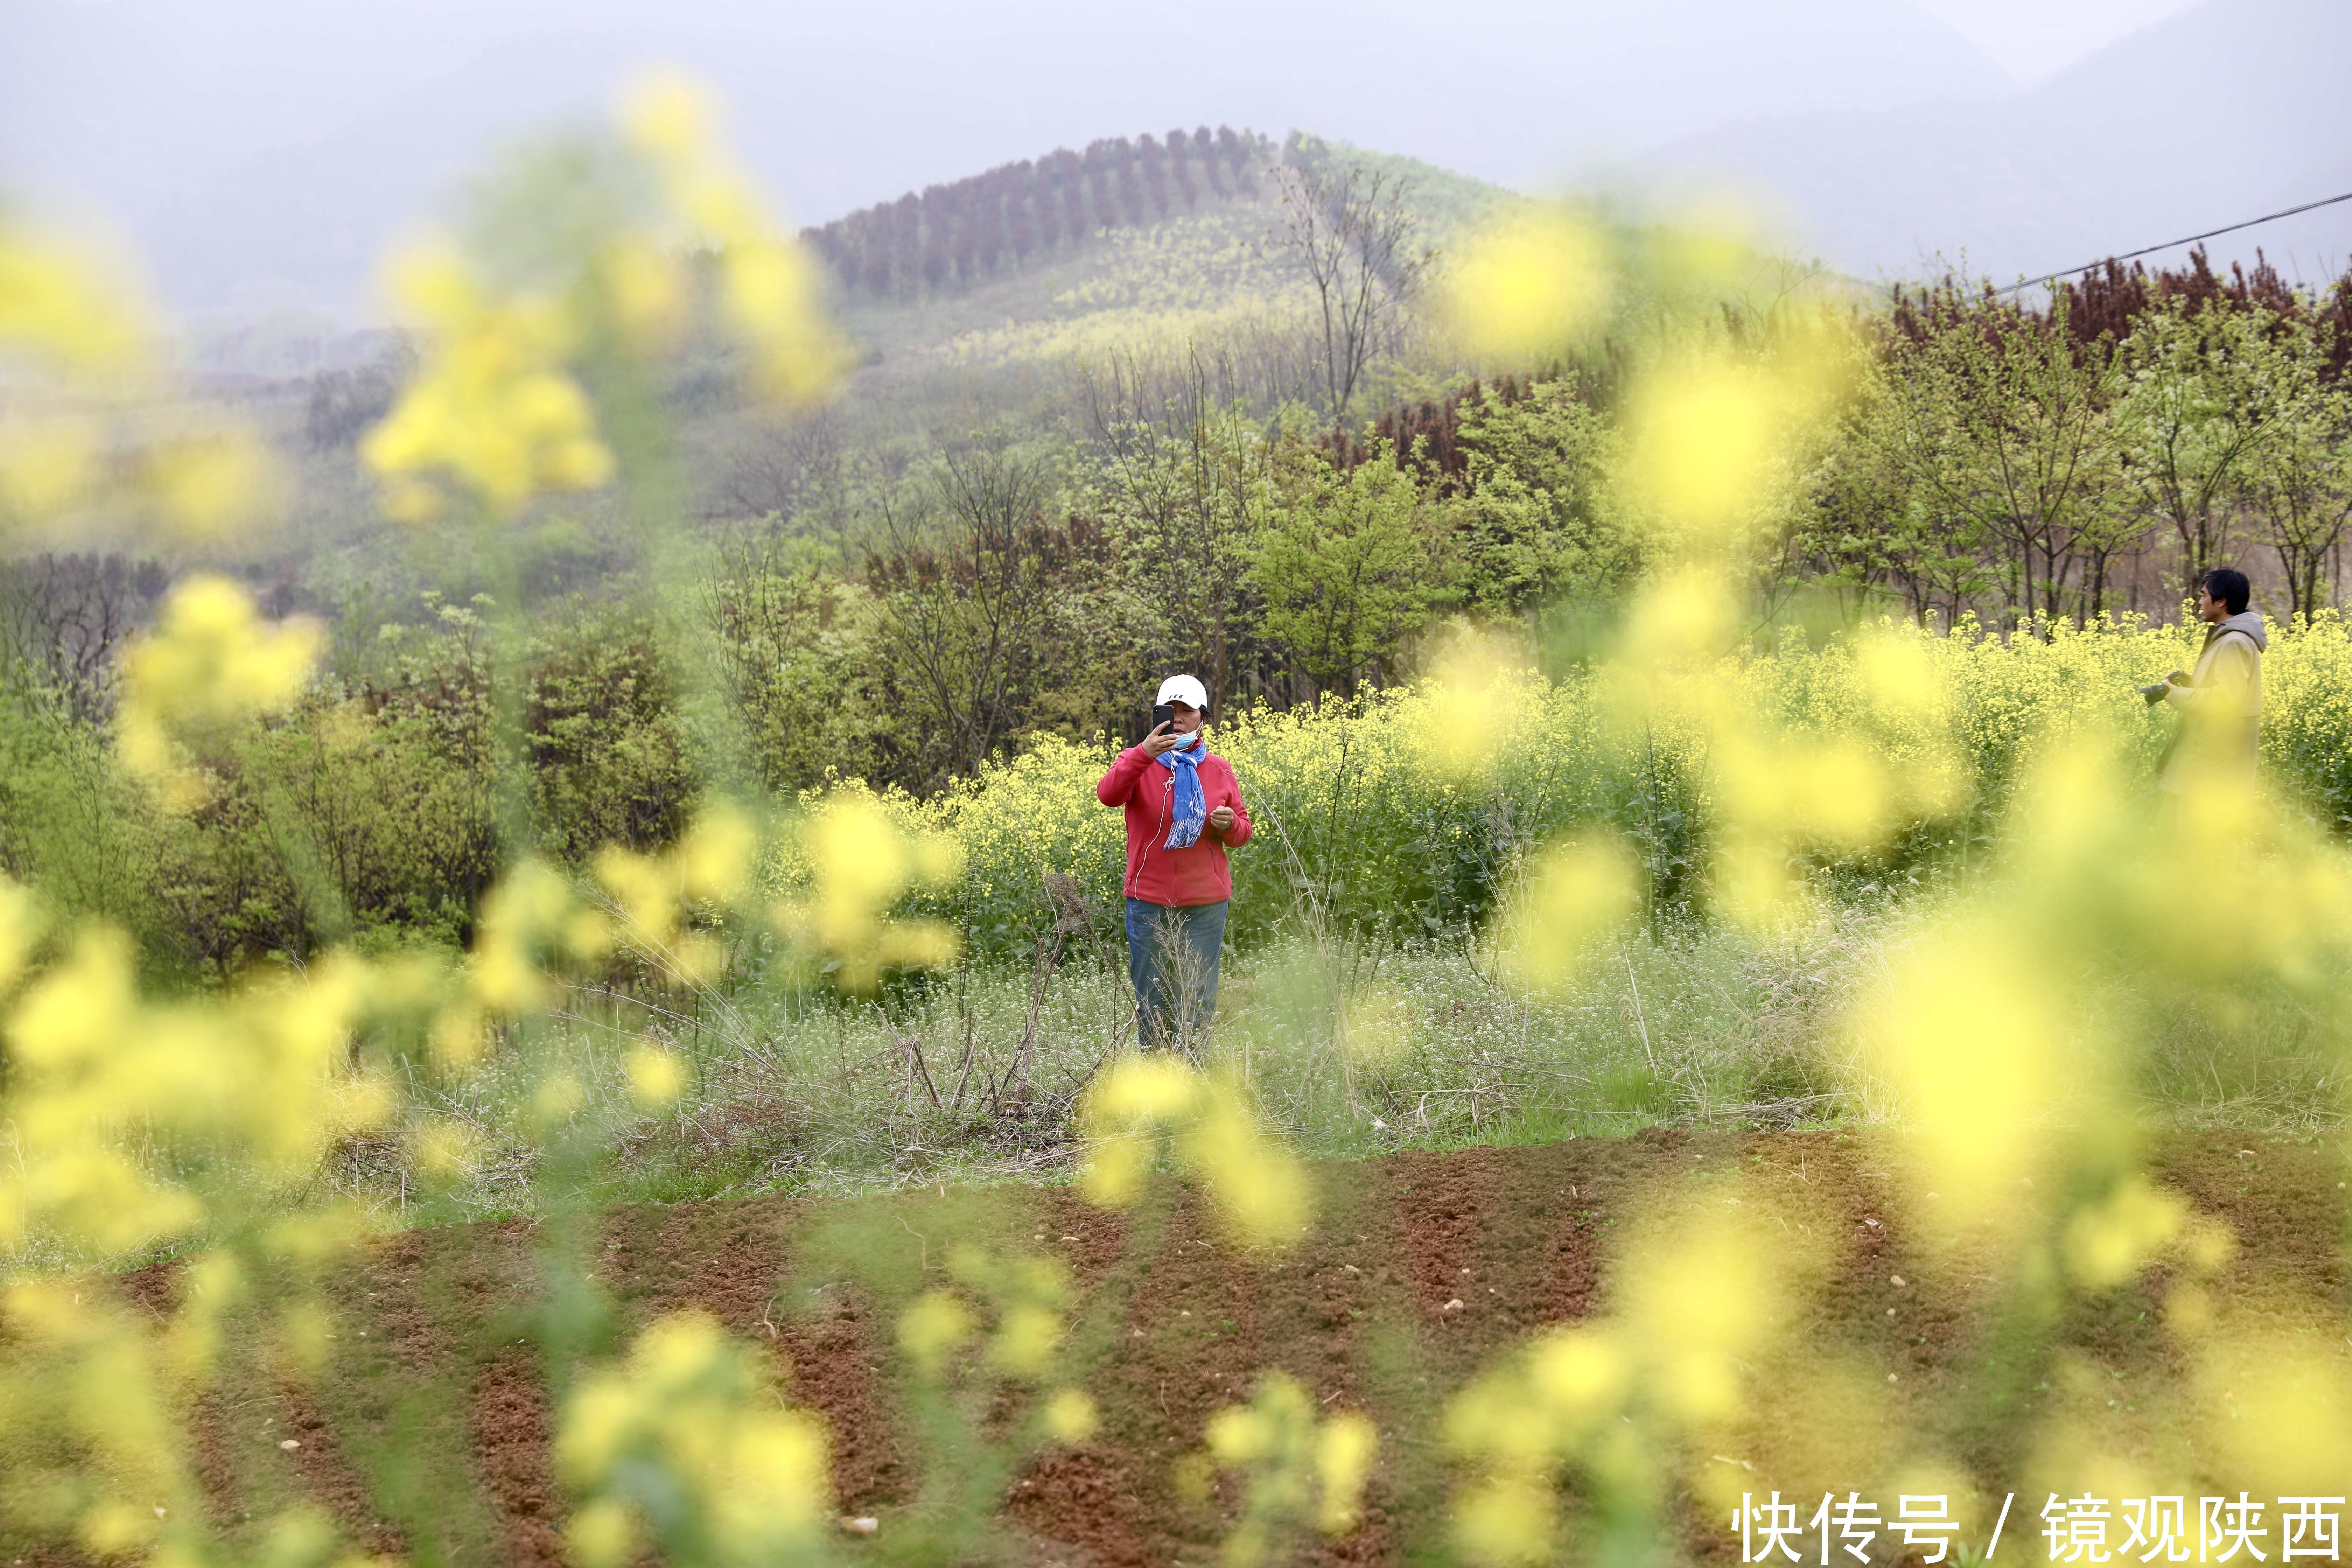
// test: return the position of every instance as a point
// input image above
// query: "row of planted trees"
(966, 229)
(2095, 453)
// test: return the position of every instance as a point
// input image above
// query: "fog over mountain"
(2221, 113)
(263, 152)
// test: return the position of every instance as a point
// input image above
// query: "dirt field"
(436, 1352)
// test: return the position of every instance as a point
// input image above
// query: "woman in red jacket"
(1184, 810)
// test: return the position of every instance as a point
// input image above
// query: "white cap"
(1184, 688)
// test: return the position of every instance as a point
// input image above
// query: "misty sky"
(260, 151)
(2032, 38)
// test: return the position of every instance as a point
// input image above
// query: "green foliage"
(1349, 569)
(2103, 453)
(368, 812)
(1189, 494)
(2005, 422)
(796, 648)
(71, 823)
(607, 759)
(994, 621)
(1535, 526)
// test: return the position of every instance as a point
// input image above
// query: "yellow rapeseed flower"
(211, 659)
(493, 407)
(60, 306)
(769, 286)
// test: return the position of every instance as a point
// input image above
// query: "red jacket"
(1158, 874)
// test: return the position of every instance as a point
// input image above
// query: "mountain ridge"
(2070, 169)
(836, 110)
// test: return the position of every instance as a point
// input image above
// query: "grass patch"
(1350, 1048)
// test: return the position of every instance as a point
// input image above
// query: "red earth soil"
(1422, 1270)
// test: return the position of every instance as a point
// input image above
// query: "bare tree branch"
(1354, 233)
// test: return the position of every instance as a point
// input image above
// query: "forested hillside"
(662, 729)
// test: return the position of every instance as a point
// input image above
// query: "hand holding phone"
(1163, 736)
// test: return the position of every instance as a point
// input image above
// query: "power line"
(2171, 244)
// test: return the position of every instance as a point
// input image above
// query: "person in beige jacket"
(2220, 702)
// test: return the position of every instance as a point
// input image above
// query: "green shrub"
(608, 758)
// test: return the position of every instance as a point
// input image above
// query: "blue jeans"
(1171, 956)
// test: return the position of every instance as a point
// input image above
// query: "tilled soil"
(1422, 1271)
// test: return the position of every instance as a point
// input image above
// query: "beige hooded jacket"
(2221, 708)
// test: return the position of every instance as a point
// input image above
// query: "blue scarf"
(1192, 802)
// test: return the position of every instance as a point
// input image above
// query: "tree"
(1347, 568)
(2202, 400)
(65, 619)
(1189, 485)
(1179, 154)
(1098, 186)
(1533, 525)
(795, 650)
(967, 245)
(1352, 231)
(906, 258)
(1072, 174)
(2298, 484)
(1026, 226)
(1155, 171)
(345, 404)
(877, 234)
(994, 621)
(935, 237)
(2005, 423)
(1131, 188)
(1870, 530)
(996, 193)
(799, 468)
(964, 607)
(1236, 152)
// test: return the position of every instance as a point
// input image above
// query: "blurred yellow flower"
(48, 463)
(935, 1325)
(695, 1413)
(1704, 441)
(492, 407)
(1070, 1417)
(1295, 1470)
(61, 305)
(769, 287)
(648, 293)
(1345, 1449)
(209, 484)
(657, 1076)
(860, 862)
(1527, 288)
(2108, 1242)
(1261, 1190)
(211, 658)
(1577, 892)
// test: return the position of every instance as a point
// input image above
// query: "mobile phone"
(1162, 713)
